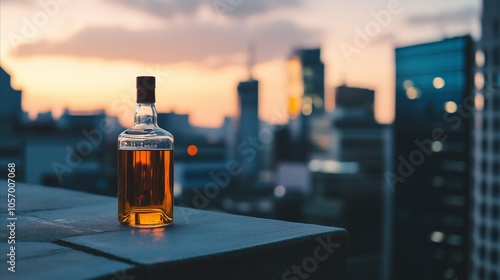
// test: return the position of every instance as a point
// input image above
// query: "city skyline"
(381, 117)
(68, 53)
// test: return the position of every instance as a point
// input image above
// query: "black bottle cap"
(145, 89)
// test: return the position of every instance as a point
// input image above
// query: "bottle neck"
(145, 113)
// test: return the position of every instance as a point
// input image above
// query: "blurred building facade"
(347, 165)
(306, 90)
(485, 263)
(11, 116)
(247, 133)
(200, 158)
(77, 151)
(430, 175)
(177, 124)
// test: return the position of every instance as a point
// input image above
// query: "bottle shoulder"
(145, 131)
(144, 136)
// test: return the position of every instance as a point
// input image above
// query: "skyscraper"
(431, 177)
(486, 171)
(306, 82)
(306, 73)
(10, 105)
(347, 169)
(247, 132)
(11, 113)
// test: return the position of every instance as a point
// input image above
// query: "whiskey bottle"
(145, 165)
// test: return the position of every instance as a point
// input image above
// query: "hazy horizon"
(93, 50)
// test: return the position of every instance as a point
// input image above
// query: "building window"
(496, 103)
(486, 57)
(496, 167)
(481, 272)
(496, 145)
(496, 190)
(485, 145)
(484, 164)
(495, 78)
(484, 188)
(494, 235)
(486, 101)
(496, 56)
(496, 125)
(485, 127)
(482, 210)
(482, 253)
(494, 212)
(496, 28)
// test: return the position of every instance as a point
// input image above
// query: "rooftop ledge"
(63, 234)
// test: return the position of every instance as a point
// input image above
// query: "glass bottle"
(145, 165)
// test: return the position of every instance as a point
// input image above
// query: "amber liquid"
(145, 187)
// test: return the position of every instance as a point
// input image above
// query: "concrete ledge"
(62, 234)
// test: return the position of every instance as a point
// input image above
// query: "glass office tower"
(430, 175)
(306, 89)
(486, 172)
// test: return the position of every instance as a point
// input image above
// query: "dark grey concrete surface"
(63, 234)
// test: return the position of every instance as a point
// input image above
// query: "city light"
(177, 189)
(333, 166)
(437, 146)
(306, 109)
(295, 87)
(279, 191)
(450, 107)
(479, 80)
(330, 166)
(315, 165)
(479, 101)
(192, 150)
(480, 58)
(407, 84)
(438, 83)
(412, 93)
(437, 237)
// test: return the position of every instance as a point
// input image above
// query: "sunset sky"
(85, 55)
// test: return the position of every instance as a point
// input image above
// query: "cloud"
(461, 16)
(232, 8)
(191, 43)
(24, 4)
(384, 38)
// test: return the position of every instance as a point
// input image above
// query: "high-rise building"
(430, 175)
(247, 132)
(347, 167)
(306, 82)
(177, 124)
(354, 104)
(11, 114)
(10, 105)
(485, 263)
(306, 73)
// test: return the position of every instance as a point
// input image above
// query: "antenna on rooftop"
(251, 58)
